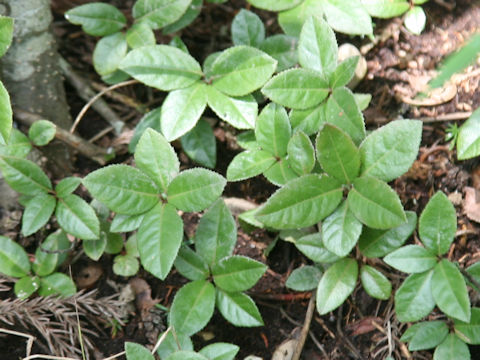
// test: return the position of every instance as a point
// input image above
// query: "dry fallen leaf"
(471, 204)
(364, 325)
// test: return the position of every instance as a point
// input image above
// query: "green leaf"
(375, 283)
(131, 247)
(377, 243)
(312, 247)
(220, 351)
(140, 35)
(240, 70)
(247, 141)
(159, 238)
(349, 17)
(415, 20)
(342, 111)
(310, 120)
(200, 144)
(37, 213)
(411, 259)
(274, 5)
(301, 154)
(149, 120)
(5, 114)
(280, 173)
(123, 189)
(57, 284)
(305, 278)
(115, 77)
(191, 265)
(192, 307)
(317, 47)
(248, 164)
(186, 355)
(438, 224)
(468, 139)
(337, 154)
(18, 145)
(292, 20)
(95, 249)
(413, 299)
(109, 52)
(297, 88)
(240, 112)
(159, 13)
(272, 130)
(375, 204)
(114, 241)
(362, 100)
(182, 109)
(13, 258)
(78, 218)
(135, 351)
(162, 66)
(42, 132)
(341, 231)
(6, 33)
(386, 8)
(173, 343)
(282, 48)
(344, 72)
(195, 189)
(452, 348)
(156, 157)
(26, 286)
(237, 273)
(126, 223)
(67, 185)
(125, 265)
(238, 308)
(336, 285)
(390, 151)
(302, 202)
(24, 176)
(97, 19)
(186, 19)
(469, 331)
(425, 335)
(247, 29)
(216, 233)
(51, 253)
(450, 291)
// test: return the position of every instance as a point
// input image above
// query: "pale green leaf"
(301, 154)
(349, 17)
(126, 223)
(425, 335)
(452, 348)
(280, 173)
(125, 265)
(95, 249)
(415, 20)
(77, 218)
(186, 19)
(386, 8)
(37, 213)
(57, 284)
(200, 144)
(274, 5)
(272, 130)
(42, 132)
(469, 331)
(97, 19)
(26, 286)
(51, 253)
(140, 35)
(413, 299)
(149, 120)
(248, 164)
(247, 29)
(309, 120)
(282, 48)
(109, 52)
(135, 351)
(312, 247)
(238, 308)
(13, 258)
(305, 278)
(468, 140)
(411, 259)
(375, 283)
(5, 115)
(6, 33)
(237, 273)
(220, 351)
(159, 13)
(344, 73)
(292, 20)
(191, 265)
(24, 176)
(67, 185)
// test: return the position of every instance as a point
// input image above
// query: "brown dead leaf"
(364, 325)
(143, 295)
(88, 276)
(471, 204)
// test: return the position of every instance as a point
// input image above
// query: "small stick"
(29, 337)
(124, 99)
(305, 328)
(447, 117)
(162, 338)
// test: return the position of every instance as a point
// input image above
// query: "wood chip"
(471, 204)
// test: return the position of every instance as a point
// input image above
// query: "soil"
(363, 328)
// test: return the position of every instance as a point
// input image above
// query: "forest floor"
(398, 66)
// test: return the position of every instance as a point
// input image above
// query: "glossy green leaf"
(114, 241)
(450, 291)
(438, 224)
(415, 20)
(200, 144)
(186, 355)
(76, 217)
(5, 114)
(302, 202)
(375, 283)
(131, 247)
(468, 140)
(297, 89)
(109, 52)
(135, 351)
(425, 335)
(469, 331)
(246, 140)
(18, 145)
(6, 33)
(240, 70)
(149, 120)
(162, 66)
(349, 17)
(377, 243)
(282, 48)
(220, 351)
(344, 72)
(341, 231)
(317, 47)
(342, 111)
(301, 154)
(140, 35)
(452, 348)
(191, 265)
(248, 164)
(272, 130)
(95, 249)
(237, 273)
(125, 265)
(305, 278)
(51, 253)
(390, 151)
(57, 284)
(195, 189)
(159, 238)
(126, 223)
(216, 233)
(67, 185)
(238, 308)
(337, 154)
(182, 109)
(26, 286)
(386, 8)
(116, 77)
(375, 203)
(411, 259)
(362, 100)
(413, 299)
(192, 307)
(274, 5)
(247, 29)
(97, 19)
(280, 173)
(312, 247)
(159, 13)
(186, 19)
(292, 20)
(336, 285)
(240, 112)
(309, 120)
(37, 213)
(171, 344)
(123, 189)
(13, 258)
(24, 176)
(42, 132)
